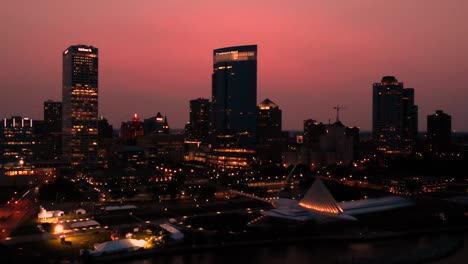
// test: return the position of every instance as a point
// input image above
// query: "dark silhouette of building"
(313, 130)
(53, 116)
(48, 132)
(395, 117)
(198, 127)
(130, 130)
(268, 121)
(439, 131)
(269, 134)
(156, 125)
(234, 92)
(105, 130)
(354, 133)
(80, 105)
(16, 140)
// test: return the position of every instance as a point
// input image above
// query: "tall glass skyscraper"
(394, 117)
(80, 105)
(234, 91)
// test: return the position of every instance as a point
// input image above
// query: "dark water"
(312, 252)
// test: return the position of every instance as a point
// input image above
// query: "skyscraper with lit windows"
(80, 105)
(394, 117)
(16, 140)
(234, 90)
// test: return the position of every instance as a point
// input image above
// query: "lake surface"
(310, 252)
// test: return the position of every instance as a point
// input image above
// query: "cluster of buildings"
(229, 131)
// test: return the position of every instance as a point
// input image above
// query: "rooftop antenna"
(338, 108)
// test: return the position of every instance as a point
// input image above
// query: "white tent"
(116, 246)
(82, 224)
(175, 233)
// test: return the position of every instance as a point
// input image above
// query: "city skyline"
(309, 52)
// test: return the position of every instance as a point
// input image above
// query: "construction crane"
(338, 108)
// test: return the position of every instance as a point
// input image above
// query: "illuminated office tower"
(16, 140)
(80, 105)
(395, 117)
(234, 90)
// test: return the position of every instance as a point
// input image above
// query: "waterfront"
(321, 252)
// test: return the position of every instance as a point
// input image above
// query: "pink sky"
(157, 55)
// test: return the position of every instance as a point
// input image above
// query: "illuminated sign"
(65, 53)
(84, 49)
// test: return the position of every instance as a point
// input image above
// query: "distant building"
(80, 105)
(105, 129)
(16, 140)
(156, 125)
(48, 133)
(395, 117)
(323, 145)
(128, 157)
(199, 125)
(439, 131)
(268, 121)
(234, 93)
(130, 130)
(162, 147)
(53, 116)
(313, 130)
(269, 134)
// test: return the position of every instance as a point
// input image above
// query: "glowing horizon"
(312, 55)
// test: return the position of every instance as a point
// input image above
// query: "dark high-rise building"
(16, 140)
(48, 133)
(313, 130)
(269, 143)
(53, 116)
(80, 105)
(395, 117)
(439, 131)
(156, 125)
(268, 121)
(105, 130)
(234, 90)
(410, 120)
(199, 125)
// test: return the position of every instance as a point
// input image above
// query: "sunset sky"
(312, 55)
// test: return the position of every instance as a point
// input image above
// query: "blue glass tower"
(234, 91)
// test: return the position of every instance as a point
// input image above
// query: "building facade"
(234, 91)
(269, 132)
(80, 105)
(50, 138)
(156, 125)
(130, 130)
(16, 140)
(439, 131)
(394, 117)
(199, 124)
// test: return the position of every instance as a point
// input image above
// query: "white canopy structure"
(319, 205)
(116, 246)
(83, 224)
(175, 233)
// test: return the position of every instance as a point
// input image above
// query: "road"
(18, 212)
